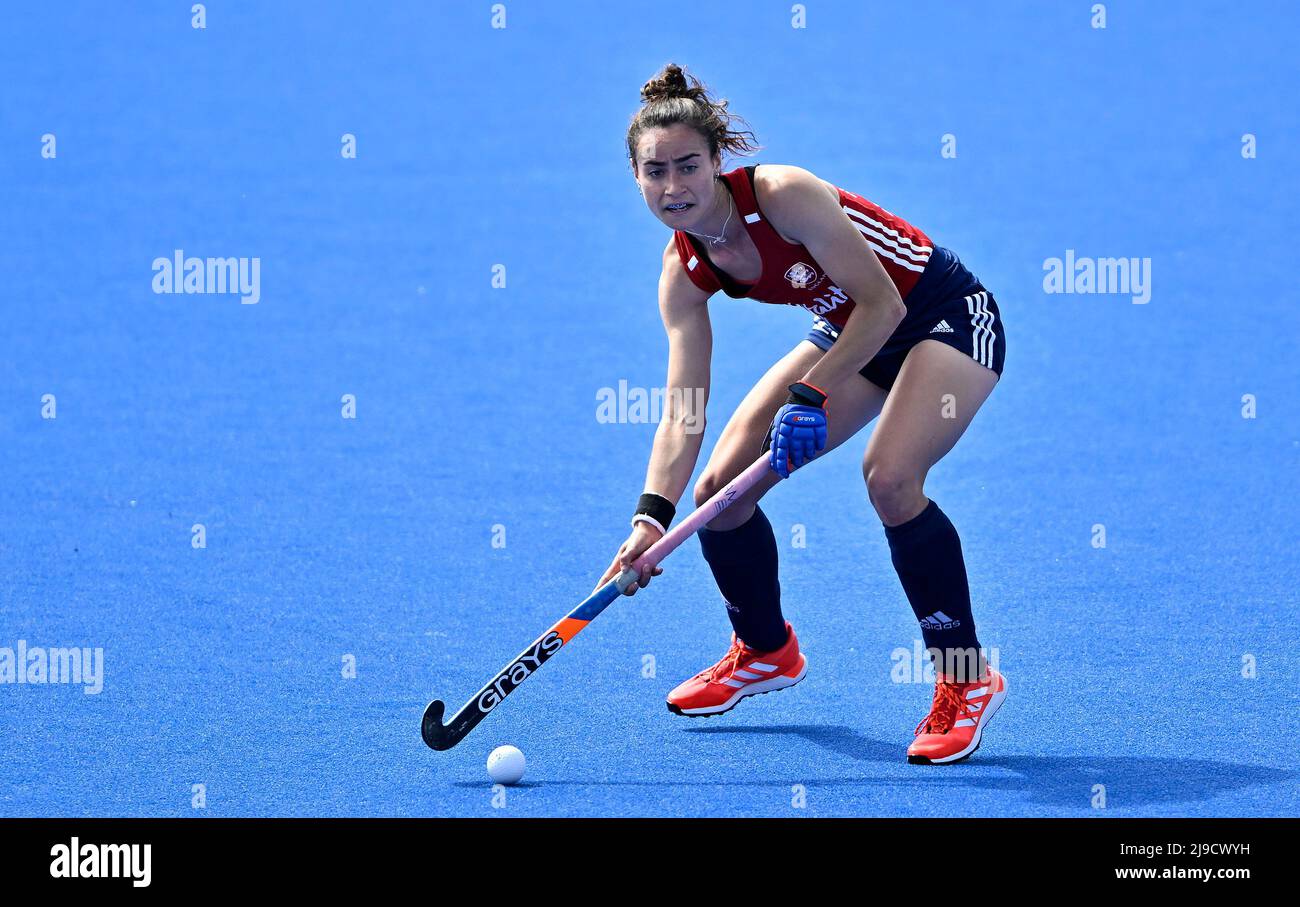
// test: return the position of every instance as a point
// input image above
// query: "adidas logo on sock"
(938, 620)
(941, 328)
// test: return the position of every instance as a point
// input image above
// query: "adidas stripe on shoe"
(741, 672)
(958, 715)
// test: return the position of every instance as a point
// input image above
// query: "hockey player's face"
(675, 174)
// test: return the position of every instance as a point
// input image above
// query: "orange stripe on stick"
(569, 627)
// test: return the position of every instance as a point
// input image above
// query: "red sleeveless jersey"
(790, 275)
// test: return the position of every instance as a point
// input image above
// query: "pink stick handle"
(689, 526)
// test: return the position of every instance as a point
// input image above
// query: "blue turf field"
(372, 537)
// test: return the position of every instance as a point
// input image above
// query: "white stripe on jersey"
(885, 253)
(900, 242)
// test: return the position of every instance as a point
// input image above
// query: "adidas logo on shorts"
(942, 328)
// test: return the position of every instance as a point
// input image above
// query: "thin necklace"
(721, 238)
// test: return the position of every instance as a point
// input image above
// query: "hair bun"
(671, 83)
(707, 115)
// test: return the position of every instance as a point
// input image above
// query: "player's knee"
(892, 487)
(709, 484)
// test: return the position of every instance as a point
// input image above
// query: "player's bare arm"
(807, 210)
(684, 309)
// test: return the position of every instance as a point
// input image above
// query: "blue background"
(372, 537)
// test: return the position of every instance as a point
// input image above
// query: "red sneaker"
(741, 672)
(951, 732)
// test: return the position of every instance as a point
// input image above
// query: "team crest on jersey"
(801, 275)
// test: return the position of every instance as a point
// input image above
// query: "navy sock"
(926, 551)
(743, 561)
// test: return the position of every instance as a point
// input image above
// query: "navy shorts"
(952, 307)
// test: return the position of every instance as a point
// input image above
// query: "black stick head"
(432, 729)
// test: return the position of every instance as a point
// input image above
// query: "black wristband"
(807, 395)
(657, 507)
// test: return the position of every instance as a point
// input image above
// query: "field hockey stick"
(441, 736)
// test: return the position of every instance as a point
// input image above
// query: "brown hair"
(669, 98)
